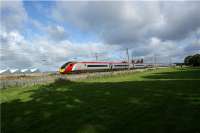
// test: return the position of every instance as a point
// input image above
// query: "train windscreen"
(64, 65)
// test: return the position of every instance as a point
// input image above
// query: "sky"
(46, 34)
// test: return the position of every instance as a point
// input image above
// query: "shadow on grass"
(183, 73)
(123, 107)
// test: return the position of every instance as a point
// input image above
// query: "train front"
(66, 68)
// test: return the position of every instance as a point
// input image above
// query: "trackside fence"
(29, 80)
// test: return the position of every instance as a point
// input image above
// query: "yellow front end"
(61, 70)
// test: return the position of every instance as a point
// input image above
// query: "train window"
(63, 66)
(97, 65)
(139, 65)
(120, 65)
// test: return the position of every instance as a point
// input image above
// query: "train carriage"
(73, 67)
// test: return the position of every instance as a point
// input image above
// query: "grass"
(159, 101)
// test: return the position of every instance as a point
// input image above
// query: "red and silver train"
(77, 67)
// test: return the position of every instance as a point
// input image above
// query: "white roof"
(34, 70)
(25, 70)
(14, 70)
(4, 71)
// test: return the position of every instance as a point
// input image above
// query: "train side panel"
(90, 66)
(79, 67)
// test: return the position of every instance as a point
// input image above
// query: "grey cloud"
(141, 51)
(129, 22)
(194, 47)
(180, 19)
(134, 24)
(114, 22)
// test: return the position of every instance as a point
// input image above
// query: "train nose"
(61, 70)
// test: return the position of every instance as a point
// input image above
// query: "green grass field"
(157, 101)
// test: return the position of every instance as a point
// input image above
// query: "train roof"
(98, 62)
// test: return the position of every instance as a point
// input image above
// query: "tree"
(187, 60)
(192, 60)
(196, 60)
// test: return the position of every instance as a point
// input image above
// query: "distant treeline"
(192, 60)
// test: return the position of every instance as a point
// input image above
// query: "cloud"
(146, 28)
(47, 50)
(14, 18)
(163, 29)
(131, 22)
(162, 50)
(13, 50)
(180, 20)
(56, 33)
(13, 15)
(17, 52)
(194, 47)
(114, 22)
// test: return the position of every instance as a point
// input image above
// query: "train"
(81, 66)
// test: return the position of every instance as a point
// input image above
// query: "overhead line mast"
(96, 56)
(128, 58)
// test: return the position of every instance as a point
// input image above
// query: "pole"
(96, 56)
(132, 57)
(170, 61)
(154, 60)
(127, 58)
